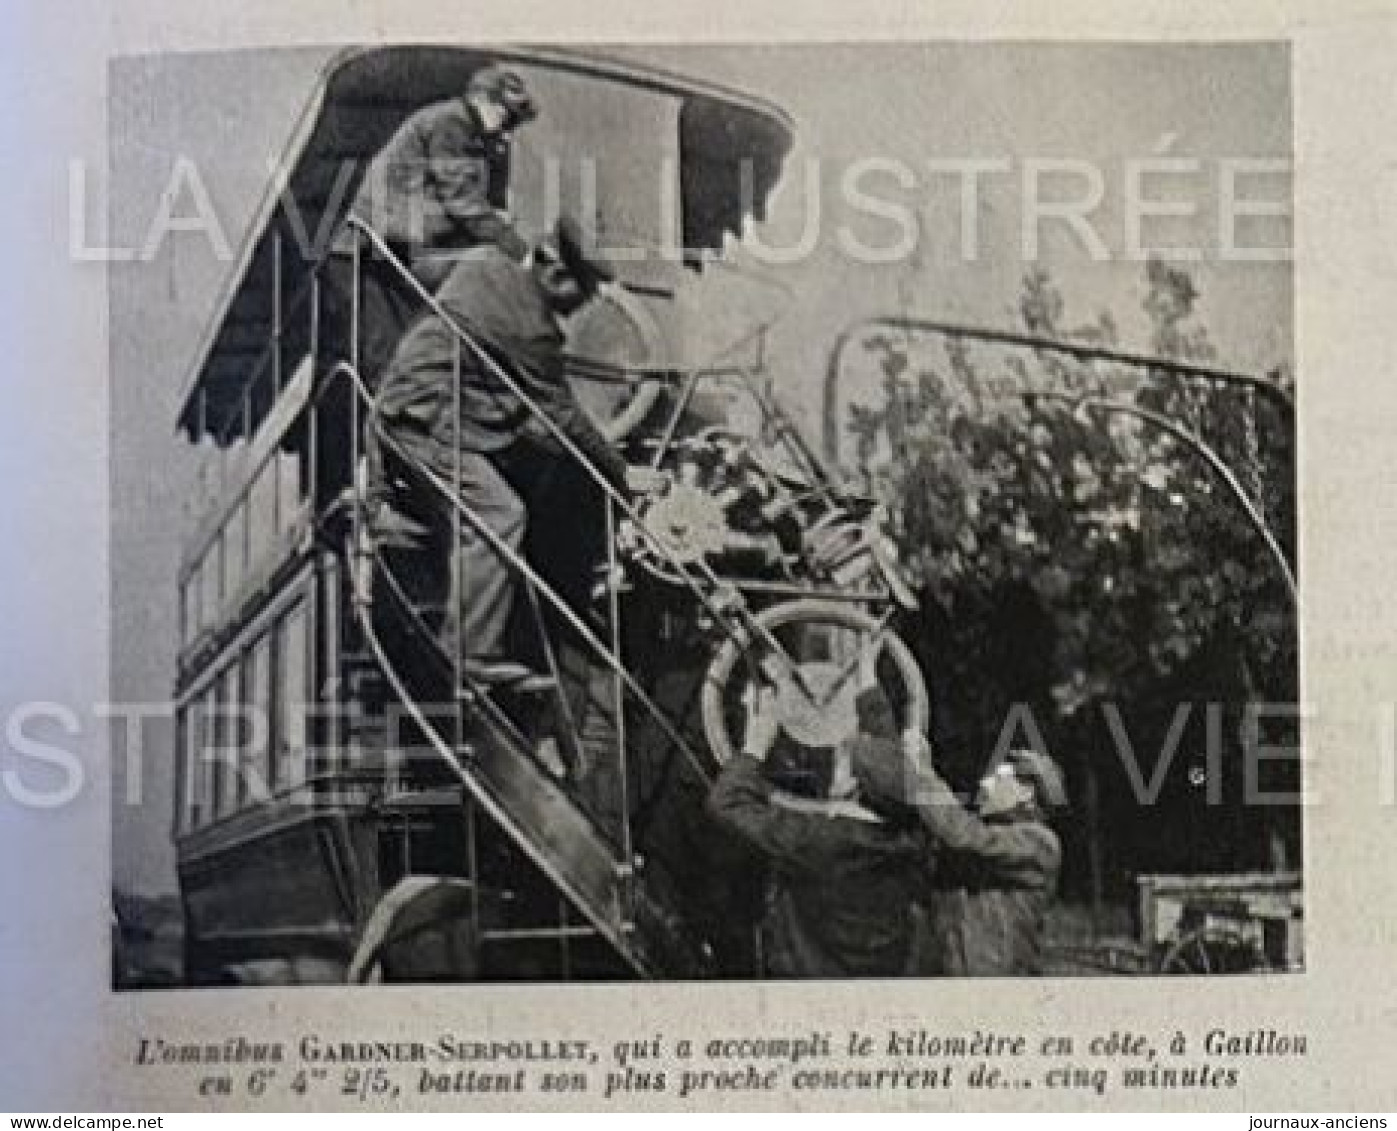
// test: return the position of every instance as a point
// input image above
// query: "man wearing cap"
(441, 183)
(842, 878)
(502, 451)
(437, 189)
(997, 864)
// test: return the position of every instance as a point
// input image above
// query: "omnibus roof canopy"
(362, 97)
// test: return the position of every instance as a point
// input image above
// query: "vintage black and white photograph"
(747, 512)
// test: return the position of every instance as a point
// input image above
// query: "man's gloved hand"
(889, 769)
(869, 652)
(880, 768)
(763, 725)
(510, 241)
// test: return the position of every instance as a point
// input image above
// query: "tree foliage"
(1070, 557)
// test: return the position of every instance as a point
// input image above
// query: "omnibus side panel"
(282, 894)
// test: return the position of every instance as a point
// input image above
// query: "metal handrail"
(519, 565)
(483, 797)
(420, 628)
(733, 606)
(1209, 456)
(1082, 351)
(1086, 352)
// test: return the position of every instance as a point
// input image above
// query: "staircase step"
(442, 797)
(512, 789)
(524, 934)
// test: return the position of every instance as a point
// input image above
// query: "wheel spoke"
(1201, 945)
(815, 638)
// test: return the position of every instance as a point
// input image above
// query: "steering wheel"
(817, 704)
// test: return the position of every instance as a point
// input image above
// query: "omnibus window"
(207, 763)
(226, 744)
(190, 744)
(182, 816)
(293, 672)
(188, 756)
(257, 691)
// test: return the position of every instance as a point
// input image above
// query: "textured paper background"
(67, 1043)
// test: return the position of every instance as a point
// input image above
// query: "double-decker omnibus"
(327, 750)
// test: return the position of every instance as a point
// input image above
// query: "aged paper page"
(676, 558)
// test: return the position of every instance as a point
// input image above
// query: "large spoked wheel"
(420, 931)
(609, 336)
(824, 641)
(1211, 950)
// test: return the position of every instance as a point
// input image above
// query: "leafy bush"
(1072, 558)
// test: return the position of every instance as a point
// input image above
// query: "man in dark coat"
(440, 184)
(502, 449)
(437, 189)
(997, 866)
(843, 878)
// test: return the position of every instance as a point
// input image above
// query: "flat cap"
(506, 88)
(568, 243)
(1042, 773)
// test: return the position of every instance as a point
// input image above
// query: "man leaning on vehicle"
(436, 190)
(502, 454)
(996, 863)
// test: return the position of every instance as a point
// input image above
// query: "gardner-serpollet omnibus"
(289, 831)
